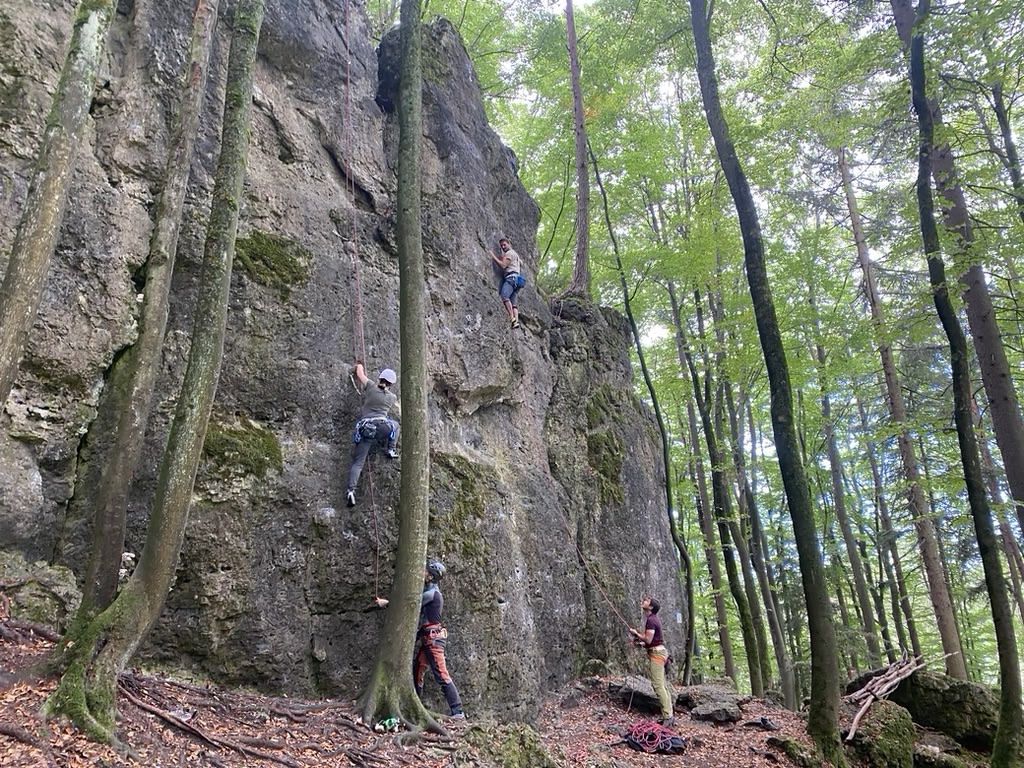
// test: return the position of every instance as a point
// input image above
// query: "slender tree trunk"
(723, 511)
(822, 723)
(390, 692)
(117, 435)
(99, 651)
(1009, 545)
(677, 538)
(759, 549)
(710, 547)
(754, 580)
(580, 283)
(888, 535)
(942, 605)
(1010, 730)
(39, 227)
(846, 529)
(1010, 157)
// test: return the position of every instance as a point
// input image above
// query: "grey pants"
(362, 449)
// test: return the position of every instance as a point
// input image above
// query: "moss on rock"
(469, 488)
(605, 454)
(514, 745)
(273, 260)
(243, 447)
(885, 737)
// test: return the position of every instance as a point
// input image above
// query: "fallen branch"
(881, 686)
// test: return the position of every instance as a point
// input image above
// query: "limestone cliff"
(546, 480)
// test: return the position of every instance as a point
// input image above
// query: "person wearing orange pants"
(432, 638)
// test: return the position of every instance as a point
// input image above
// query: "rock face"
(547, 505)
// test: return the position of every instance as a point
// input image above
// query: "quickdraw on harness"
(649, 736)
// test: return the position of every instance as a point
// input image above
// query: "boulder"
(967, 712)
(885, 736)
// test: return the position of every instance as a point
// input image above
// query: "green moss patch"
(605, 454)
(514, 745)
(469, 488)
(273, 261)
(243, 446)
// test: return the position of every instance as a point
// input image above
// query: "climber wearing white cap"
(374, 423)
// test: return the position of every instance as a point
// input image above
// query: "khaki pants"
(658, 657)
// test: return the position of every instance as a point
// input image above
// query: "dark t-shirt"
(431, 604)
(653, 622)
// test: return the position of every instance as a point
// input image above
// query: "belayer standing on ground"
(657, 654)
(512, 280)
(431, 639)
(374, 422)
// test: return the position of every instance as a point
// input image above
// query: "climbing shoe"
(515, 324)
(350, 498)
(392, 453)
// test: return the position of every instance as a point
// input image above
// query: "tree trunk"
(1011, 159)
(117, 434)
(846, 529)
(942, 605)
(580, 283)
(1010, 730)
(39, 227)
(390, 692)
(822, 723)
(766, 577)
(93, 658)
(710, 546)
(887, 543)
(723, 512)
(677, 539)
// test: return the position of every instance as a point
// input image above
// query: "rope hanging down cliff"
(352, 247)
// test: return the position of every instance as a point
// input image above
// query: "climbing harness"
(649, 736)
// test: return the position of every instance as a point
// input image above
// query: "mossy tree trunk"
(97, 652)
(117, 435)
(390, 691)
(40, 223)
(822, 720)
(1006, 750)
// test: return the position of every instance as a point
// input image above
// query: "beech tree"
(117, 434)
(39, 227)
(580, 282)
(93, 654)
(822, 723)
(390, 691)
(1006, 750)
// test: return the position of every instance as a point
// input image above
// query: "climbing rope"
(523, 400)
(648, 736)
(353, 251)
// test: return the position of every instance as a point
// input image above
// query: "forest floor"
(171, 724)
